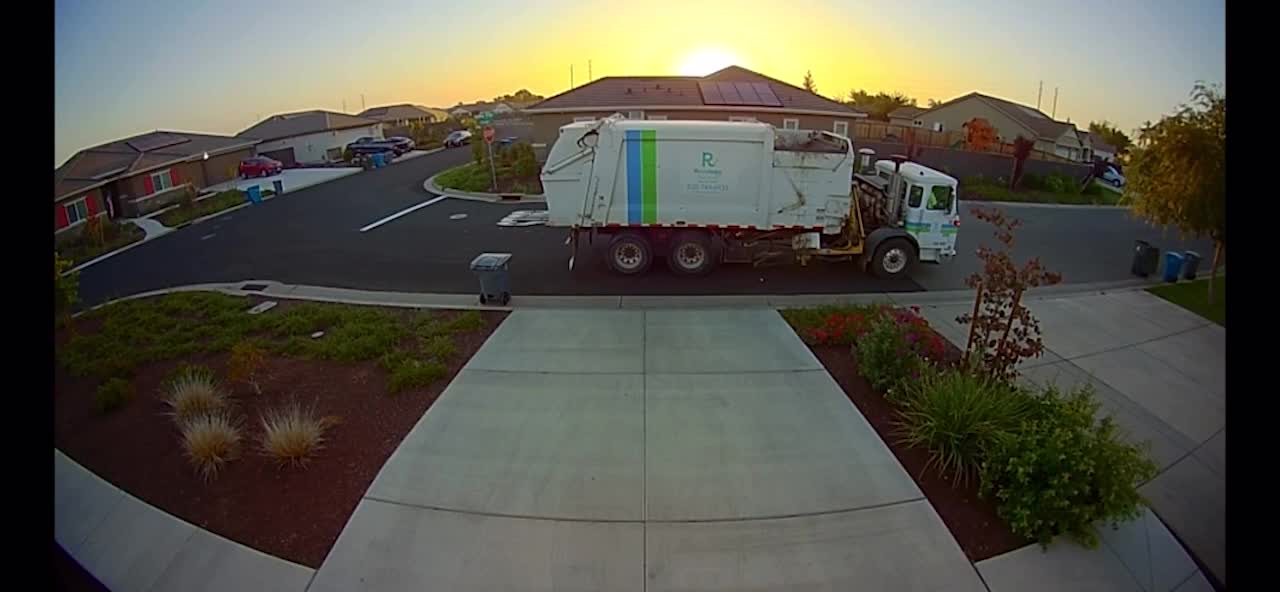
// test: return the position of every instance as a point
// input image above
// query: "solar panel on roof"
(748, 93)
(155, 142)
(730, 93)
(710, 93)
(765, 92)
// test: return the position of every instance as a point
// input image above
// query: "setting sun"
(705, 61)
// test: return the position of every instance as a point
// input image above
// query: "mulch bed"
(972, 520)
(292, 513)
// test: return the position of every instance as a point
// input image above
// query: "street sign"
(488, 134)
(484, 118)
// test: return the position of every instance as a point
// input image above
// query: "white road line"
(402, 212)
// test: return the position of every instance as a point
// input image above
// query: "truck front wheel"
(630, 253)
(893, 258)
(691, 254)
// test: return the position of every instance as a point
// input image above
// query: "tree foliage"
(1022, 148)
(879, 105)
(521, 96)
(809, 84)
(979, 134)
(66, 288)
(1177, 170)
(1111, 135)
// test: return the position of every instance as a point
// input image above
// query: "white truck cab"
(927, 206)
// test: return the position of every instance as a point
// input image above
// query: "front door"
(111, 199)
(931, 219)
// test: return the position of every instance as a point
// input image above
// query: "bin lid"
(490, 261)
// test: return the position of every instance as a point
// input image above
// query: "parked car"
(401, 144)
(1113, 177)
(260, 166)
(457, 138)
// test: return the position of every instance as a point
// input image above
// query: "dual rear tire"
(690, 253)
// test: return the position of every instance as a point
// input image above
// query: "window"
(791, 124)
(657, 118)
(738, 118)
(635, 114)
(917, 196)
(581, 119)
(76, 211)
(841, 128)
(161, 181)
(940, 198)
(937, 126)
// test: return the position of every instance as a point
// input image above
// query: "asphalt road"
(312, 236)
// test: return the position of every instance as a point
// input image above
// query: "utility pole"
(589, 77)
(1038, 93)
(570, 75)
(1055, 103)
(362, 101)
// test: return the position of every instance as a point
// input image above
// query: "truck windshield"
(940, 197)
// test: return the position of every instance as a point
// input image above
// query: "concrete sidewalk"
(1159, 370)
(644, 450)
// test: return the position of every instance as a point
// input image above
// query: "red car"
(260, 166)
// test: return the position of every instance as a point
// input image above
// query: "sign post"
(493, 169)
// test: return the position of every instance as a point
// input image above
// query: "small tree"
(1177, 172)
(1021, 152)
(809, 84)
(246, 364)
(1002, 332)
(979, 135)
(66, 289)
(1111, 135)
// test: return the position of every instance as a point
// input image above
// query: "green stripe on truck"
(649, 176)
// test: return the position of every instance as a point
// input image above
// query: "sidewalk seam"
(644, 450)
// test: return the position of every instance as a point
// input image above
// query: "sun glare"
(705, 61)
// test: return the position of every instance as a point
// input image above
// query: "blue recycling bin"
(378, 161)
(278, 186)
(1172, 265)
(254, 194)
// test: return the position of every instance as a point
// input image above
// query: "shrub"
(111, 395)
(194, 393)
(246, 364)
(959, 416)
(210, 441)
(439, 347)
(1061, 471)
(66, 289)
(470, 320)
(885, 359)
(412, 373)
(291, 434)
(526, 163)
(1032, 181)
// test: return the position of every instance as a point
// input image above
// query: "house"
(140, 174)
(403, 115)
(309, 137)
(1011, 120)
(1101, 150)
(906, 116)
(733, 94)
(473, 109)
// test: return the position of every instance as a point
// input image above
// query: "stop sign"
(488, 134)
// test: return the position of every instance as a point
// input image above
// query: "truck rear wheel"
(691, 254)
(630, 253)
(893, 258)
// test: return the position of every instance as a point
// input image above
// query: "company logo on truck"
(707, 177)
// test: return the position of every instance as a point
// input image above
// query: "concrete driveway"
(644, 450)
(293, 179)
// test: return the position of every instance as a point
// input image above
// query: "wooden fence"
(878, 131)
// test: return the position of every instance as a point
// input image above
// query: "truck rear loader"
(701, 193)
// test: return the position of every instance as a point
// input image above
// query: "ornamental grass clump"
(210, 441)
(292, 434)
(194, 392)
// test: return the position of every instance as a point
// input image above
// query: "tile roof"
(1030, 117)
(98, 165)
(397, 112)
(288, 125)
(907, 112)
(616, 92)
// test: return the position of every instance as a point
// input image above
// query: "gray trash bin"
(1146, 259)
(1190, 262)
(492, 271)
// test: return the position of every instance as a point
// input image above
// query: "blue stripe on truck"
(634, 192)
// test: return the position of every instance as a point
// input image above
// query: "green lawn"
(115, 340)
(209, 205)
(991, 192)
(1194, 296)
(468, 177)
(115, 236)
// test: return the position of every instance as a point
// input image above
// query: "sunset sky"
(131, 66)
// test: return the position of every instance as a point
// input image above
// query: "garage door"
(284, 155)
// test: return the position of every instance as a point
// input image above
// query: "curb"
(980, 202)
(275, 289)
(430, 186)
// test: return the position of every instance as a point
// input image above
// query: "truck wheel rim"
(628, 256)
(690, 256)
(894, 260)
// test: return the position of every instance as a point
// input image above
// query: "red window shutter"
(91, 204)
(60, 216)
(146, 184)
(173, 177)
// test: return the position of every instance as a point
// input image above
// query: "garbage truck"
(702, 193)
